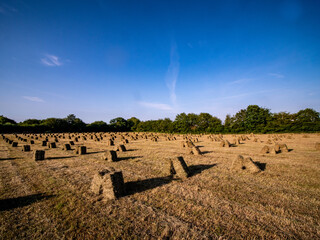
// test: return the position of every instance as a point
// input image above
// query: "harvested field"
(52, 198)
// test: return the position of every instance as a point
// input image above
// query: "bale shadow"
(11, 203)
(62, 157)
(290, 150)
(96, 152)
(146, 184)
(127, 158)
(200, 146)
(196, 169)
(13, 158)
(205, 152)
(131, 150)
(260, 165)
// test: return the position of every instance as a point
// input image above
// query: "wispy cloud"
(159, 106)
(173, 72)
(51, 60)
(276, 75)
(33, 99)
(240, 81)
(246, 94)
(6, 9)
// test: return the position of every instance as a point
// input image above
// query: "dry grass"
(52, 198)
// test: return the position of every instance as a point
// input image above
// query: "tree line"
(252, 119)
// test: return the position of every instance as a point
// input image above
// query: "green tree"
(308, 115)
(98, 126)
(119, 124)
(30, 122)
(4, 120)
(133, 123)
(74, 123)
(256, 118)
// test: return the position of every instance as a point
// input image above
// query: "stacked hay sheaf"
(121, 148)
(110, 156)
(179, 168)
(81, 150)
(245, 164)
(277, 148)
(225, 143)
(109, 184)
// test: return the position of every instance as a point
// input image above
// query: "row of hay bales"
(109, 183)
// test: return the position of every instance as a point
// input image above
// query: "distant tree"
(30, 122)
(165, 125)
(238, 121)
(98, 126)
(208, 123)
(119, 124)
(74, 123)
(133, 123)
(56, 124)
(181, 123)
(256, 118)
(227, 123)
(4, 120)
(308, 115)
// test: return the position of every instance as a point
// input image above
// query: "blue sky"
(154, 59)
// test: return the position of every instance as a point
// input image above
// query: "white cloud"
(239, 81)
(276, 75)
(159, 106)
(51, 60)
(173, 72)
(33, 99)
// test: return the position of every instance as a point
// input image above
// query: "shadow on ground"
(196, 169)
(205, 152)
(146, 184)
(96, 152)
(127, 158)
(260, 165)
(62, 157)
(4, 159)
(11, 203)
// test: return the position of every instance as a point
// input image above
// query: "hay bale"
(283, 147)
(190, 144)
(110, 142)
(317, 146)
(121, 148)
(52, 145)
(110, 156)
(39, 155)
(26, 148)
(44, 143)
(265, 150)
(196, 151)
(179, 168)
(225, 143)
(277, 147)
(244, 164)
(67, 147)
(189, 150)
(81, 150)
(109, 184)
